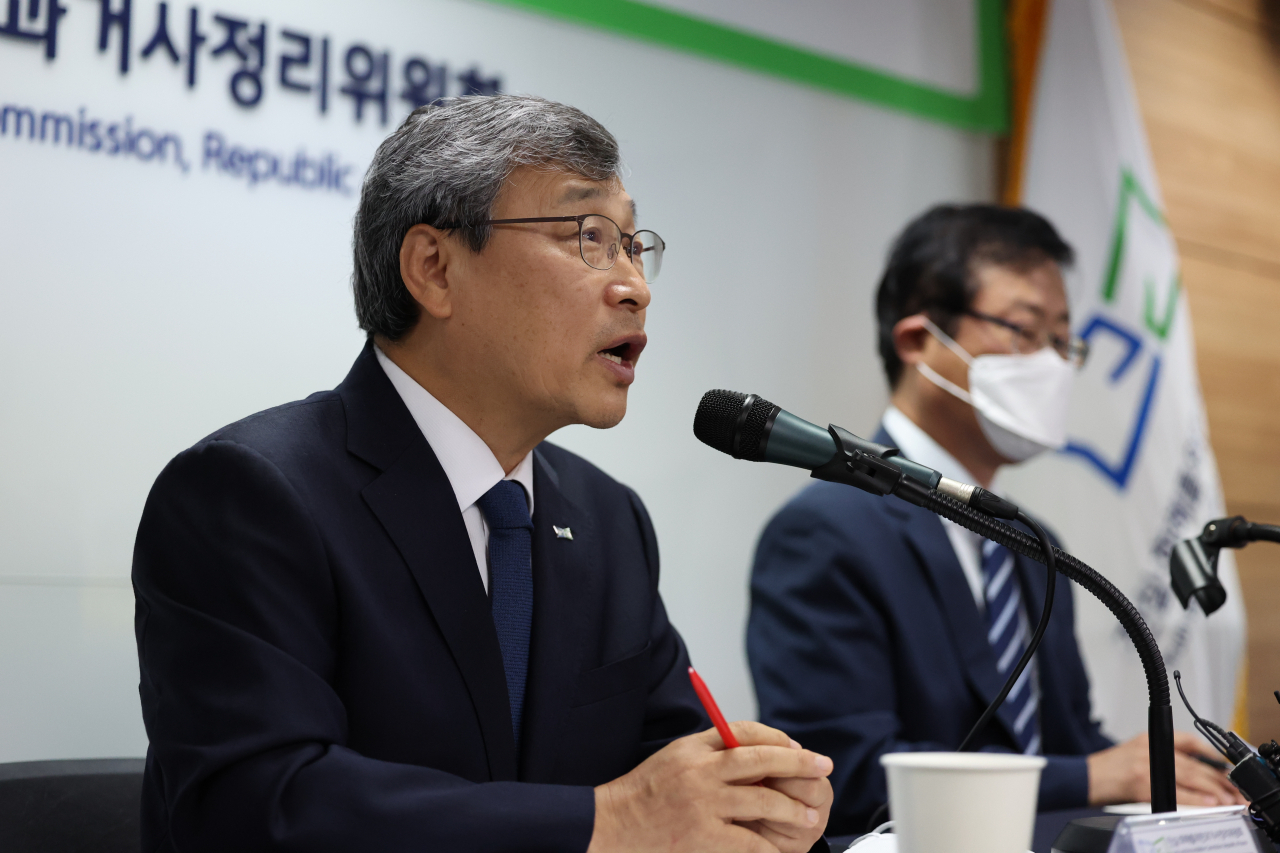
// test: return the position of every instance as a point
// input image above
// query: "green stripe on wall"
(987, 111)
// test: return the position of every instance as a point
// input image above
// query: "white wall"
(142, 307)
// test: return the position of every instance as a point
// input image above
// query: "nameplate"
(1225, 830)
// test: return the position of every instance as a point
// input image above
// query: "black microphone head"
(717, 418)
(734, 423)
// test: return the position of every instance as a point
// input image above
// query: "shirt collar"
(918, 446)
(468, 462)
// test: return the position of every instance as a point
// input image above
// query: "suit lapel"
(565, 583)
(929, 540)
(416, 506)
(927, 537)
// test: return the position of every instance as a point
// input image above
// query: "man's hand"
(815, 793)
(1122, 774)
(695, 795)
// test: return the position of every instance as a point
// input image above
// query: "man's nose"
(630, 288)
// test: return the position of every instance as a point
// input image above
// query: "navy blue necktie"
(1007, 633)
(511, 585)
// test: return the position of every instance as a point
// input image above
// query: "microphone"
(747, 426)
(1256, 774)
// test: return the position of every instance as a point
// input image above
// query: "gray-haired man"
(390, 616)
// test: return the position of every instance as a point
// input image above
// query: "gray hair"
(445, 165)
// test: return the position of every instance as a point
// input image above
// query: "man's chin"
(605, 421)
(606, 414)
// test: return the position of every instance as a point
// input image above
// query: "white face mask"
(1021, 400)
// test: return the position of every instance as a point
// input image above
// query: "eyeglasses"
(1026, 340)
(601, 241)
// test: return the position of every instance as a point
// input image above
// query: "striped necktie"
(1007, 631)
(511, 585)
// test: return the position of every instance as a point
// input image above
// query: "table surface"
(1048, 825)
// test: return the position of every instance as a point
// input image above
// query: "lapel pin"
(563, 532)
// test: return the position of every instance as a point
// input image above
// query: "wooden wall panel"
(1236, 317)
(1207, 75)
(1250, 11)
(1209, 86)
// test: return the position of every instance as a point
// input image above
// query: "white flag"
(1138, 474)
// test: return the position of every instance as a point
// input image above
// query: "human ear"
(424, 255)
(910, 337)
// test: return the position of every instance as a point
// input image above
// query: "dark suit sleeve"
(1075, 676)
(818, 646)
(673, 710)
(237, 621)
(1064, 782)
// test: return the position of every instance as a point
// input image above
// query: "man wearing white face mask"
(877, 627)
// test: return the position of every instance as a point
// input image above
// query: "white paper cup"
(963, 802)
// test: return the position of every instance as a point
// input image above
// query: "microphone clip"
(1193, 563)
(852, 466)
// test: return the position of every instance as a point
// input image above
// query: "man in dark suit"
(390, 616)
(878, 627)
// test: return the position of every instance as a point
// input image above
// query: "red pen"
(712, 709)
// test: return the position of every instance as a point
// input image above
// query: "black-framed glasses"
(601, 241)
(1027, 340)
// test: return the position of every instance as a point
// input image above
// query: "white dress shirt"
(918, 446)
(468, 462)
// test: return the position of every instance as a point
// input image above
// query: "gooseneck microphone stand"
(856, 468)
(743, 426)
